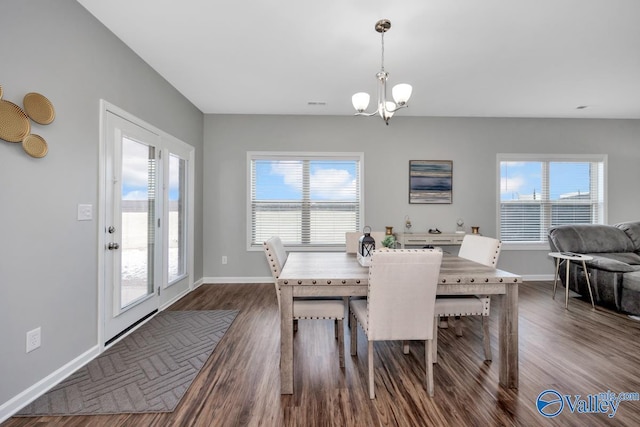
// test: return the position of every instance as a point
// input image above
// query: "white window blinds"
(306, 199)
(537, 193)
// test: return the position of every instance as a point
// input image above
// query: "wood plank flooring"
(575, 351)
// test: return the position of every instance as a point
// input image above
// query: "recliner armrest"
(608, 264)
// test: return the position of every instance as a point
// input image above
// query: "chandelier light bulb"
(391, 107)
(360, 101)
(401, 93)
(387, 112)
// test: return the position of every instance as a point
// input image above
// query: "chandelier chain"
(382, 55)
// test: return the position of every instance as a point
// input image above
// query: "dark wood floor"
(575, 351)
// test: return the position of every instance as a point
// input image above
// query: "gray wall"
(48, 260)
(472, 144)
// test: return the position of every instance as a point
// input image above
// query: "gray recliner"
(615, 268)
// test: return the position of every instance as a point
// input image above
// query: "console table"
(423, 239)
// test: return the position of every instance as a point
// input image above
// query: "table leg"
(566, 285)
(555, 278)
(586, 273)
(286, 340)
(509, 370)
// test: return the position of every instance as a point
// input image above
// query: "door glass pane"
(177, 193)
(138, 214)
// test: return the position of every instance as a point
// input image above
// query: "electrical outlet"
(33, 339)
(224, 259)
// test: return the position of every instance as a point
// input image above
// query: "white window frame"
(509, 157)
(295, 155)
(183, 152)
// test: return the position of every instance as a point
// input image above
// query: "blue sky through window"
(330, 180)
(524, 180)
(135, 171)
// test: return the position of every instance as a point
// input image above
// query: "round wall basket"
(35, 146)
(39, 108)
(14, 123)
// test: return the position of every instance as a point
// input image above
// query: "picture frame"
(430, 181)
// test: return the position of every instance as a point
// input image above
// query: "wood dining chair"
(306, 308)
(483, 250)
(400, 303)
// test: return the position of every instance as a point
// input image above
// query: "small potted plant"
(389, 241)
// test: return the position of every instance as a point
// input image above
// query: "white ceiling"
(482, 58)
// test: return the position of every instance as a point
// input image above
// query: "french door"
(146, 222)
(132, 239)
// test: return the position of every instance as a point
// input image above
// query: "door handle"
(111, 246)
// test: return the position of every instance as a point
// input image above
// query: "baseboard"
(537, 277)
(222, 280)
(13, 405)
(174, 299)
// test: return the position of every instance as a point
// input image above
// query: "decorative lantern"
(366, 246)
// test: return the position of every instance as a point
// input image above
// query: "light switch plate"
(85, 212)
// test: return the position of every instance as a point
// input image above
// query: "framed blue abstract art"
(430, 181)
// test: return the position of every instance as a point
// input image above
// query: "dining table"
(339, 274)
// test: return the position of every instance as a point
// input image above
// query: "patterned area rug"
(148, 371)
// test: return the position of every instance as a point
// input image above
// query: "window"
(177, 260)
(308, 199)
(540, 191)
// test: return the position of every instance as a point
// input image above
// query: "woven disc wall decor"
(35, 146)
(14, 123)
(39, 108)
(0, 91)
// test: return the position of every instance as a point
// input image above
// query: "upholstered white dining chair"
(352, 239)
(400, 303)
(483, 250)
(306, 308)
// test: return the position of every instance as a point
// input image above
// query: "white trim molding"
(41, 387)
(235, 280)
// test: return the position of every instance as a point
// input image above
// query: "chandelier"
(401, 92)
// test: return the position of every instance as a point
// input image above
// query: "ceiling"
(464, 58)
